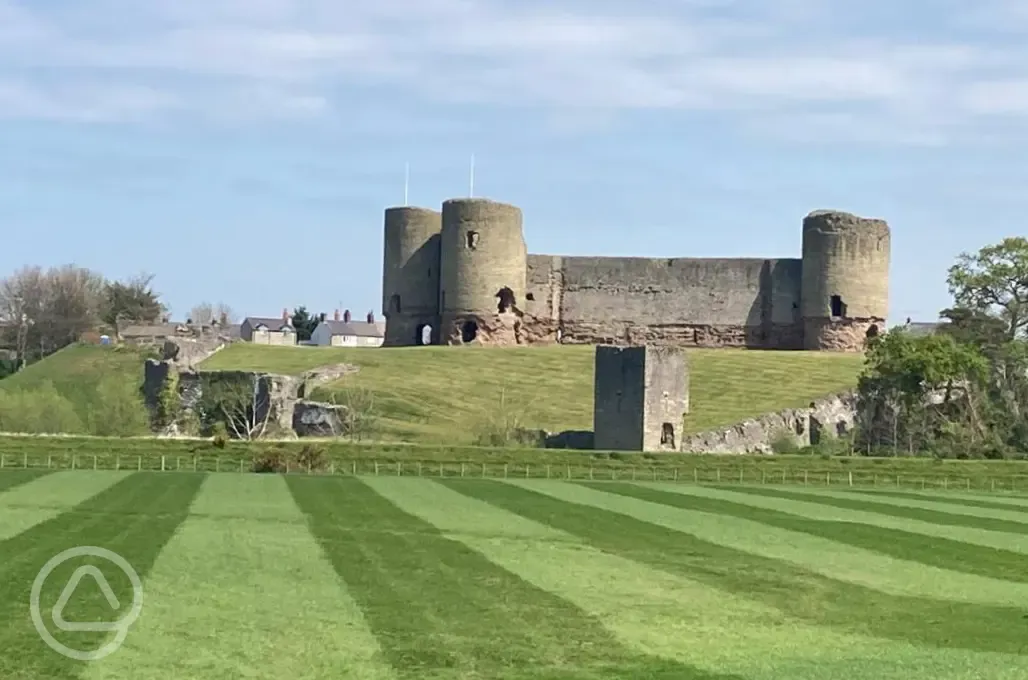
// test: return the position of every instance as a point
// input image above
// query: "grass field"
(264, 576)
(446, 394)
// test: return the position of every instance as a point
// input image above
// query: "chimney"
(321, 317)
(346, 316)
(335, 316)
(371, 317)
(285, 314)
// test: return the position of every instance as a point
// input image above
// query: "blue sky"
(243, 150)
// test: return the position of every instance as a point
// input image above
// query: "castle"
(464, 275)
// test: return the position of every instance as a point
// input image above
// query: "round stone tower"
(410, 276)
(845, 289)
(484, 268)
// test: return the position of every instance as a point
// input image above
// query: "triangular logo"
(73, 582)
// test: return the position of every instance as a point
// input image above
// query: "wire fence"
(487, 470)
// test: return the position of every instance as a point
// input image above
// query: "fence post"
(505, 470)
(240, 464)
(922, 484)
(633, 473)
(851, 477)
(719, 475)
(94, 461)
(462, 469)
(162, 464)
(49, 461)
(376, 468)
(828, 479)
(441, 469)
(805, 473)
(696, 475)
(676, 474)
(993, 484)
(968, 483)
(874, 482)
(483, 470)
(3, 457)
(783, 476)
(547, 471)
(73, 457)
(741, 477)
(653, 471)
(25, 460)
(117, 462)
(526, 470)
(139, 462)
(194, 462)
(332, 467)
(763, 476)
(590, 472)
(354, 468)
(945, 482)
(399, 469)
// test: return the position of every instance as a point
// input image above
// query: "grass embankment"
(75, 370)
(342, 457)
(81, 389)
(407, 579)
(447, 394)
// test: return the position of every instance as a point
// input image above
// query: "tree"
(132, 300)
(908, 390)
(995, 281)
(304, 323)
(49, 309)
(239, 401)
(206, 314)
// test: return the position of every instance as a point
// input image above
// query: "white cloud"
(887, 72)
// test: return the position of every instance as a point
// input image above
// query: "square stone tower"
(640, 398)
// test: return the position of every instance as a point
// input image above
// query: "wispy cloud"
(875, 70)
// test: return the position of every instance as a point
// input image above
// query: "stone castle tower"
(464, 275)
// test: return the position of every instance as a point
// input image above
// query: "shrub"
(784, 441)
(270, 461)
(219, 434)
(39, 411)
(311, 457)
(117, 409)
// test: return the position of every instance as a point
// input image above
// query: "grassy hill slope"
(90, 389)
(446, 394)
(76, 369)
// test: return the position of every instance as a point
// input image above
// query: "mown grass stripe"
(934, 504)
(825, 557)
(949, 499)
(671, 616)
(134, 517)
(1017, 543)
(441, 610)
(903, 545)
(848, 502)
(43, 497)
(250, 598)
(12, 478)
(660, 536)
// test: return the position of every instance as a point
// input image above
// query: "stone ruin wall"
(633, 301)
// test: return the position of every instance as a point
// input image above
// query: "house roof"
(360, 329)
(273, 323)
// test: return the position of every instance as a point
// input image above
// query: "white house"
(344, 332)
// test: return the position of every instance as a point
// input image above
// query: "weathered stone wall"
(410, 273)
(279, 399)
(845, 257)
(683, 301)
(824, 418)
(641, 395)
(483, 252)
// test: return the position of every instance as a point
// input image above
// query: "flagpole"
(406, 184)
(471, 189)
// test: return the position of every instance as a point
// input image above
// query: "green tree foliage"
(304, 323)
(39, 411)
(962, 392)
(118, 410)
(133, 300)
(995, 281)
